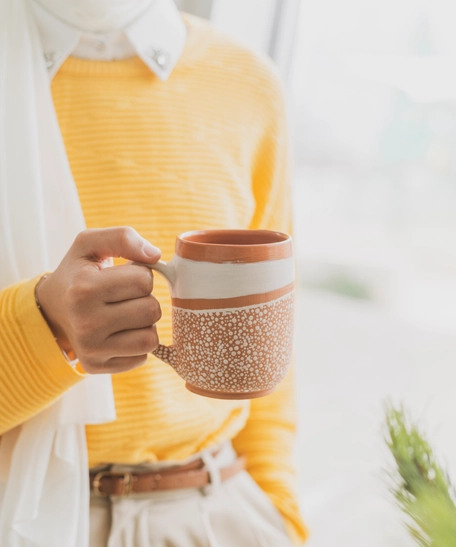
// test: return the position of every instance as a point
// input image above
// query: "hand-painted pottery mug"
(232, 311)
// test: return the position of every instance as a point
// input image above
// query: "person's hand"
(106, 315)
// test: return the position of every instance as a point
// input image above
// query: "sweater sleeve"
(269, 435)
(33, 371)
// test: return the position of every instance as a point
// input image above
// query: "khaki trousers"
(236, 513)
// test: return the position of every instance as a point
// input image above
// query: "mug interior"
(235, 237)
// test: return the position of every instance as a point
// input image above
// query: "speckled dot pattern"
(242, 350)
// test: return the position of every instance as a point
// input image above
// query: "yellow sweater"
(206, 149)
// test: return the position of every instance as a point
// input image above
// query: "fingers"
(115, 365)
(121, 352)
(98, 244)
(93, 325)
(131, 314)
(134, 343)
(124, 283)
(121, 329)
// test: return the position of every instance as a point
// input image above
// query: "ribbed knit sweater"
(205, 149)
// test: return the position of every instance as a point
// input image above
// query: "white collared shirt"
(158, 37)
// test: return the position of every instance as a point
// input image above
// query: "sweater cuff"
(41, 373)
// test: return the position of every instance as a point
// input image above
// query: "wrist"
(42, 299)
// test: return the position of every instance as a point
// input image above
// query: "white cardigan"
(44, 489)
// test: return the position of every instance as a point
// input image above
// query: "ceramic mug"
(232, 311)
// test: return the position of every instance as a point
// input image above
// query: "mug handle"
(167, 354)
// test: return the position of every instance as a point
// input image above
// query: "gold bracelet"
(42, 278)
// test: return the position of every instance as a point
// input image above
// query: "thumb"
(124, 242)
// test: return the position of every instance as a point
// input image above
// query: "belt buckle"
(127, 482)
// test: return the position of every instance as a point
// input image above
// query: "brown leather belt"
(192, 475)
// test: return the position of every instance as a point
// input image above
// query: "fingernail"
(150, 250)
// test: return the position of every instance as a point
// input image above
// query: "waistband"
(207, 468)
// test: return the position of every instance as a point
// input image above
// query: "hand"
(106, 315)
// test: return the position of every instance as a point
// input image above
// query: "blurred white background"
(373, 101)
(372, 90)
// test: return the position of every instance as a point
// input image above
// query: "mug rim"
(226, 252)
(284, 238)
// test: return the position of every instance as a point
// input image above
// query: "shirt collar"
(158, 37)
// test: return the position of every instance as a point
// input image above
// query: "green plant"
(420, 485)
(342, 283)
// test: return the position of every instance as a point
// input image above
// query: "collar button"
(100, 46)
(49, 59)
(160, 57)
